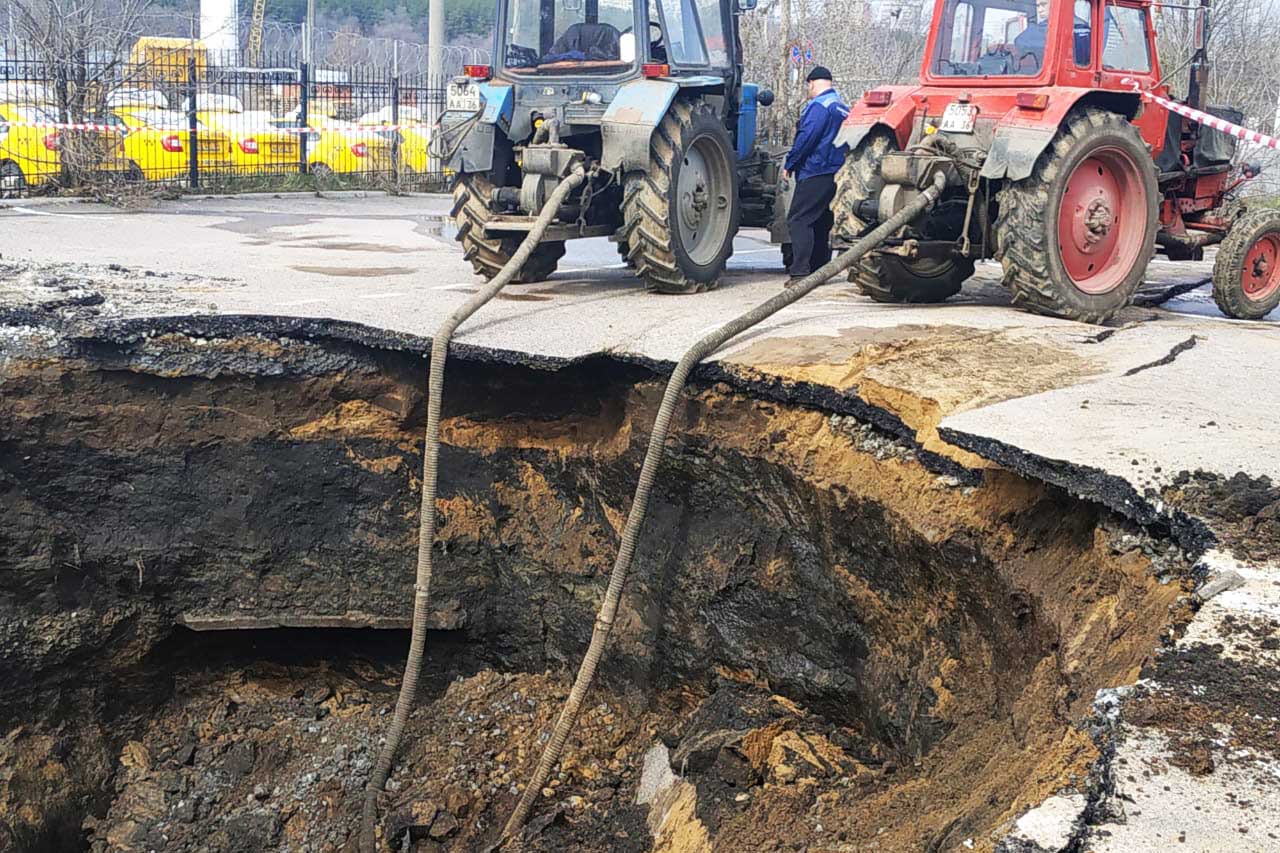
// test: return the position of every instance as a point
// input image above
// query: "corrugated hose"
(427, 517)
(653, 456)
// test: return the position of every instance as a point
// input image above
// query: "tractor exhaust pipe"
(653, 456)
(427, 514)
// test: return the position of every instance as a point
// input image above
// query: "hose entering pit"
(653, 456)
(427, 518)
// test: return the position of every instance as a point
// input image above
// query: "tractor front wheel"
(680, 215)
(886, 278)
(1076, 235)
(1246, 273)
(488, 253)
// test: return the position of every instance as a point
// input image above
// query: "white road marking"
(32, 212)
(592, 269)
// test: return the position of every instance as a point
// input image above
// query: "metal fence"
(173, 115)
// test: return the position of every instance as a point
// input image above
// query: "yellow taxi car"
(415, 136)
(29, 156)
(256, 147)
(155, 143)
(336, 147)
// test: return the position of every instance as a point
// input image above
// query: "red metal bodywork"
(1191, 197)
(1064, 83)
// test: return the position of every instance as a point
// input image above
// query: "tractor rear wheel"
(489, 253)
(1246, 273)
(1076, 235)
(680, 216)
(886, 278)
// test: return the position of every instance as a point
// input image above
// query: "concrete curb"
(50, 200)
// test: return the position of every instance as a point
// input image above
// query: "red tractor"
(1054, 165)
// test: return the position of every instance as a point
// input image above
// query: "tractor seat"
(585, 43)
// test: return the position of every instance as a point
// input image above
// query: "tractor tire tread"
(1021, 227)
(1229, 266)
(858, 180)
(488, 254)
(646, 228)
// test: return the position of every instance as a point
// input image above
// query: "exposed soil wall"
(915, 655)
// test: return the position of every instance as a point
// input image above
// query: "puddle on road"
(355, 272)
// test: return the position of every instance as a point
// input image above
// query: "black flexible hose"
(427, 513)
(653, 456)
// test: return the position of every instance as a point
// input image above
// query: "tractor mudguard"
(475, 153)
(635, 111)
(629, 122)
(897, 118)
(1021, 135)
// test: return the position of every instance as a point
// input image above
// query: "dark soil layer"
(1243, 510)
(866, 651)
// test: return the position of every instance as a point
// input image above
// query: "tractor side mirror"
(746, 5)
(1198, 36)
(764, 97)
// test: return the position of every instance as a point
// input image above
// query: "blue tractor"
(647, 97)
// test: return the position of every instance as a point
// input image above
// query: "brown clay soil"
(839, 647)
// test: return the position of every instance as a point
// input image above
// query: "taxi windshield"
(998, 39)
(543, 35)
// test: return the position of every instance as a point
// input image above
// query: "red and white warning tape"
(1243, 133)
(52, 125)
(110, 128)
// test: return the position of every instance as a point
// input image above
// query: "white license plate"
(463, 96)
(958, 118)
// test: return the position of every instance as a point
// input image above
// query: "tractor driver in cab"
(586, 33)
(1029, 45)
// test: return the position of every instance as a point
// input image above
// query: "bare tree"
(80, 49)
(863, 44)
(1244, 68)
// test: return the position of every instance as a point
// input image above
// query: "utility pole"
(435, 42)
(309, 31)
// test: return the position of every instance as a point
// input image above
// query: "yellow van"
(161, 60)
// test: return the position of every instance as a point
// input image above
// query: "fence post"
(193, 134)
(304, 117)
(395, 122)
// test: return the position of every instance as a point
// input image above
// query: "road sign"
(801, 54)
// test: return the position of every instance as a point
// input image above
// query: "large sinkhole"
(208, 549)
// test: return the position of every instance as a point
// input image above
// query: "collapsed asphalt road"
(273, 347)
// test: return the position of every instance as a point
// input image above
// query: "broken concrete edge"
(1155, 295)
(1191, 534)
(770, 389)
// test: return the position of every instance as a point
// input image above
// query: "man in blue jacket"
(813, 163)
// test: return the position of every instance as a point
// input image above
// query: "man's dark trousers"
(809, 220)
